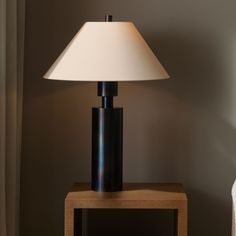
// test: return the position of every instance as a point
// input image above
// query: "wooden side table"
(134, 196)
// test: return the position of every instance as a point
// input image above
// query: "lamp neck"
(107, 102)
(107, 90)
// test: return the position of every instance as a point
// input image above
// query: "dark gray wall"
(177, 130)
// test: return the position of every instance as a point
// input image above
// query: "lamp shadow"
(187, 134)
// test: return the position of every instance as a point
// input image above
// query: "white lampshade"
(107, 51)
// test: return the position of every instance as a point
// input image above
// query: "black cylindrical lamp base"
(107, 148)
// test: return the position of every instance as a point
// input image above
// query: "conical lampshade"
(107, 51)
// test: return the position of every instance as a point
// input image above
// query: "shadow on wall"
(190, 138)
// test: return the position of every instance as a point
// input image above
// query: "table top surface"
(132, 192)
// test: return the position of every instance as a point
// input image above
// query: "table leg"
(182, 224)
(69, 219)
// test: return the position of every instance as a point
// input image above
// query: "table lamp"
(107, 52)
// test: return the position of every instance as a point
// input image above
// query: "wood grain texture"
(134, 196)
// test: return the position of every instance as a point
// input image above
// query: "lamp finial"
(108, 18)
